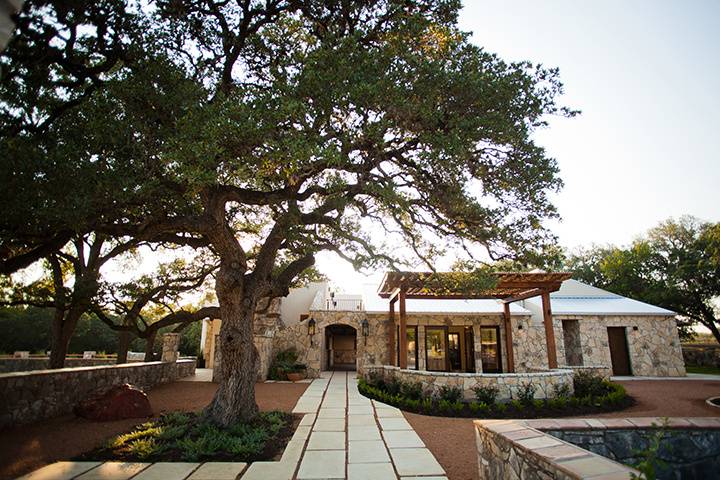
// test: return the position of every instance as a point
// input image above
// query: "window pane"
(412, 346)
(435, 348)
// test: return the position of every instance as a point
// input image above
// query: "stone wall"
(701, 355)
(507, 383)
(688, 453)
(31, 396)
(370, 350)
(512, 450)
(9, 364)
(653, 343)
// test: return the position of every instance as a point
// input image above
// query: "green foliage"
(486, 393)
(651, 464)
(589, 383)
(450, 393)
(526, 393)
(458, 407)
(445, 406)
(500, 408)
(676, 265)
(561, 390)
(517, 404)
(413, 390)
(479, 408)
(192, 438)
(285, 362)
(427, 405)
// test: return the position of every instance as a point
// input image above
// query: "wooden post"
(549, 331)
(403, 330)
(391, 333)
(508, 339)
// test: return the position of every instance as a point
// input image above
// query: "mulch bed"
(29, 447)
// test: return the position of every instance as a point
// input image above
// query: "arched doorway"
(341, 347)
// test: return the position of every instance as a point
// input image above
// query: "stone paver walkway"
(343, 435)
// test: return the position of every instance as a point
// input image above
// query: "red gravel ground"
(452, 440)
(27, 448)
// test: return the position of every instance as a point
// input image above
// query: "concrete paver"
(325, 464)
(114, 471)
(371, 471)
(165, 470)
(415, 461)
(218, 471)
(367, 451)
(60, 471)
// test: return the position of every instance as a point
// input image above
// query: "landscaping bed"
(592, 395)
(188, 437)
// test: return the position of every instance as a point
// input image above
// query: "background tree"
(273, 130)
(145, 305)
(68, 286)
(676, 266)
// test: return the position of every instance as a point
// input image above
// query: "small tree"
(676, 266)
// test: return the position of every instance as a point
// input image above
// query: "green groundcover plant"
(189, 437)
(592, 394)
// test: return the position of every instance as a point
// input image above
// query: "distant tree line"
(29, 329)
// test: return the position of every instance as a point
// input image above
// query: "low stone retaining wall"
(687, 450)
(701, 354)
(8, 365)
(507, 383)
(600, 370)
(31, 396)
(514, 450)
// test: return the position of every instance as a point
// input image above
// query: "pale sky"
(646, 75)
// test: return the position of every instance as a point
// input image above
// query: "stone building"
(592, 328)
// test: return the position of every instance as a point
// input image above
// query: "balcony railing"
(344, 304)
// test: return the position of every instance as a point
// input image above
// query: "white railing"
(344, 304)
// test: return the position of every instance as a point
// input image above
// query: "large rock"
(122, 401)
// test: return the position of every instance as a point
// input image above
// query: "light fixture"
(311, 330)
(365, 327)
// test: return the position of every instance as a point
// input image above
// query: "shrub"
(526, 393)
(393, 386)
(517, 404)
(458, 407)
(412, 390)
(375, 379)
(538, 404)
(486, 394)
(450, 393)
(427, 405)
(561, 390)
(412, 404)
(589, 382)
(445, 406)
(283, 364)
(500, 408)
(479, 408)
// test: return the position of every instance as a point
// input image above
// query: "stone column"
(217, 364)
(171, 343)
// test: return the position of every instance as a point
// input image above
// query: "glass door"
(454, 351)
(490, 349)
(412, 353)
(436, 348)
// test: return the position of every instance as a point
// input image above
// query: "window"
(436, 348)
(490, 349)
(412, 354)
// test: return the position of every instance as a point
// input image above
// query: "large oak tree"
(274, 129)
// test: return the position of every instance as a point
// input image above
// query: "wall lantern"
(365, 326)
(311, 329)
(519, 326)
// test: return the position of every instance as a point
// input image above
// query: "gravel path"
(27, 448)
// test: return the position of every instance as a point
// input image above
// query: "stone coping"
(629, 423)
(85, 369)
(545, 373)
(530, 438)
(560, 458)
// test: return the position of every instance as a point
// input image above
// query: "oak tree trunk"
(62, 332)
(234, 400)
(150, 347)
(123, 346)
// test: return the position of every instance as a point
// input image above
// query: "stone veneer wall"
(507, 383)
(8, 365)
(31, 396)
(654, 347)
(701, 354)
(370, 350)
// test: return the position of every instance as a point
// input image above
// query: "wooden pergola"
(509, 287)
